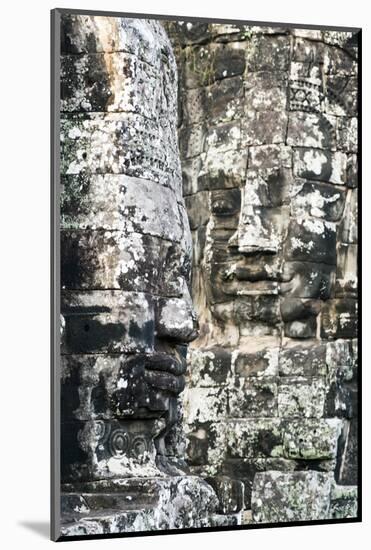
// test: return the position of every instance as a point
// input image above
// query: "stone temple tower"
(127, 315)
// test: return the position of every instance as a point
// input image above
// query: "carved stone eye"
(226, 202)
(223, 207)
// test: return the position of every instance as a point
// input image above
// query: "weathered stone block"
(107, 260)
(341, 399)
(261, 229)
(339, 319)
(114, 494)
(268, 53)
(348, 228)
(252, 397)
(110, 82)
(301, 328)
(84, 205)
(199, 441)
(352, 171)
(194, 106)
(311, 439)
(107, 449)
(132, 146)
(296, 496)
(306, 47)
(293, 309)
(191, 140)
(348, 461)
(114, 386)
(209, 367)
(263, 309)
(207, 446)
(257, 362)
(224, 99)
(223, 137)
(311, 239)
(344, 502)
(341, 359)
(205, 404)
(301, 398)
(322, 165)
(82, 34)
(347, 134)
(190, 170)
(107, 321)
(307, 359)
(264, 97)
(244, 469)
(229, 61)
(347, 270)
(270, 156)
(341, 396)
(204, 65)
(310, 130)
(254, 438)
(221, 170)
(318, 200)
(198, 209)
(174, 498)
(224, 204)
(338, 60)
(263, 127)
(269, 187)
(305, 89)
(184, 33)
(198, 240)
(230, 493)
(307, 280)
(176, 318)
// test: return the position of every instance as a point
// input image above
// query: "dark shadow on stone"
(42, 528)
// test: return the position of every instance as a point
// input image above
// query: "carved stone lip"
(246, 273)
(163, 371)
(162, 361)
(250, 287)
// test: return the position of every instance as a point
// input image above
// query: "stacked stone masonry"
(126, 311)
(268, 143)
(209, 275)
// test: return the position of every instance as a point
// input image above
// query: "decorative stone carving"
(251, 223)
(127, 314)
(269, 174)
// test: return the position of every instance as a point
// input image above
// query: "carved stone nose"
(176, 320)
(248, 242)
(233, 242)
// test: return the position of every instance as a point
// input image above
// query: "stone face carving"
(268, 148)
(259, 202)
(127, 314)
(125, 250)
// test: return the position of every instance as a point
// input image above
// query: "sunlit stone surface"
(257, 421)
(127, 313)
(268, 142)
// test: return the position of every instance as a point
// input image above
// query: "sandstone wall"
(268, 141)
(127, 314)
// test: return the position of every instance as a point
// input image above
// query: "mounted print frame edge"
(239, 408)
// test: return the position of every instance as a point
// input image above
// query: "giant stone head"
(126, 310)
